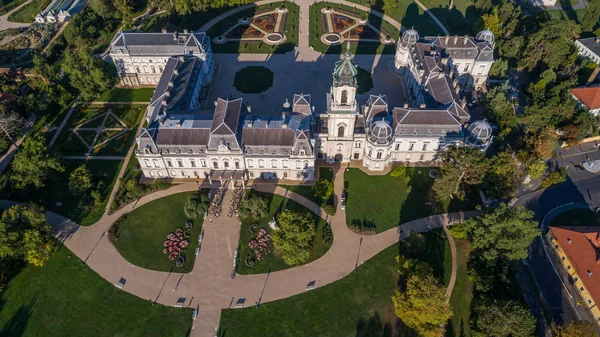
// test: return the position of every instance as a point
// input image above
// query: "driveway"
(5, 24)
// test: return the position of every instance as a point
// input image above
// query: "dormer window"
(302, 152)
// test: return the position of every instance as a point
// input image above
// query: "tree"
(25, 234)
(502, 233)
(80, 181)
(590, 19)
(423, 306)
(389, 6)
(104, 8)
(504, 177)
(10, 125)
(254, 207)
(551, 46)
(536, 168)
(294, 238)
(502, 319)
(323, 189)
(89, 75)
(460, 164)
(195, 206)
(125, 10)
(575, 328)
(32, 165)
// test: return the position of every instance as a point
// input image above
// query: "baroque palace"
(183, 141)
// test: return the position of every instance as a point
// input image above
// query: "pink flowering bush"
(174, 244)
(261, 244)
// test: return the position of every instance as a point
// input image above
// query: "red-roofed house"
(588, 96)
(578, 249)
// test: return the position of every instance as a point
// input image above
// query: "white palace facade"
(227, 142)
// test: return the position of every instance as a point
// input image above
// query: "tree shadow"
(17, 324)
(456, 22)
(373, 327)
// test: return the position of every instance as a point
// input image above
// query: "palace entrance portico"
(221, 178)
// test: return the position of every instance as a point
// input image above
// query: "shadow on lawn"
(18, 322)
(373, 327)
(450, 329)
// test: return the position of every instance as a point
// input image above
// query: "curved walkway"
(209, 286)
(432, 16)
(5, 24)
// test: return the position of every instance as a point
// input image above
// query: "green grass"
(316, 31)
(66, 298)
(462, 295)
(126, 95)
(55, 190)
(290, 31)
(576, 217)
(358, 305)
(28, 12)
(141, 236)
(173, 22)
(274, 262)
(253, 80)
(8, 5)
(460, 20)
(307, 191)
(410, 15)
(385, 202)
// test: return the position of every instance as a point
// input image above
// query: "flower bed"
(265, 22)
(341, 22)
(324, 22)
(364, 32)
(283, 21)
(175, 245)
(261, 246)
(244, 31)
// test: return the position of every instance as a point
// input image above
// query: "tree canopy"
(459, 165)
(255, 207)
(33, 163)
(87, 74)
(323, 189)
(295, 236)
(503, 319)
(196, 205)
(576, 328)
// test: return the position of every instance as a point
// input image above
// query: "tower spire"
(347, 54)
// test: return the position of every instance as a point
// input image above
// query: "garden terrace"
(67, 298)
(332, 24)
(406, 198)
(273, 262)
(141, 235)
(355, 305)
(271, 28)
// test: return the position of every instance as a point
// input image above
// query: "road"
(582, 188)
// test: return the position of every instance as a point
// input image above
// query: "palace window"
(203, 163)
(422, 157)
(153, 69)
(274, 163)
(411, 146)
(344, 96)
(147, 162)
(425, 146)
(156, 164)
(226, 164)
(192, 163)
(169, 163)
(298, 165)
(261, 163)
(160, 69)
(379, 154)
(341, 131)
(250, 163)
(339, 147)
(215, 165)
(357, 145)
(237, 165)
(305, 164)
(284, 163)
(179, 162)
(397, 147)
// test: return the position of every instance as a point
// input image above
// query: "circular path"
(209, 287)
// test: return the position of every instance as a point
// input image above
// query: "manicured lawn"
(460, 20)
(358, 305)
(141, 236)
(385, 202)
(576, 217)
(317, 30)
(410, 15)
(8, 5)
(28, 12)
(459, 324)
(126, 95)
(55, 191)
(66, 298)
(253, 80)
(273, 262)
(290, 31)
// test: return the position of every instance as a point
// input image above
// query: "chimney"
(597, 39)
(164, 102)
(249, 124)
(365, 109)
(175, 34)
(185, 31)
(405, 105)
(283, 115)
(170, 85)
(466, 39)
(590, 272)
(455, 83)
(164, 30)
(181, 58)
(455, 39)
(463, 103)
(422, 106)
(178, 124)
(284, 126)
(167, 93)
(569, 241)
(175, 72)
(447, 39)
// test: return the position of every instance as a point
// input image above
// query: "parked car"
(343, 204)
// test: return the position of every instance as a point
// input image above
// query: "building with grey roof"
(589, 48)
(141, 58)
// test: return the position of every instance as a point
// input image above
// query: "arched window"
(145, 69)
(306, 164)
(261, 163)
(215, 164)
(147, 162)
(341, 131)
(339, 147)
(155, 161)
(137, 70)
(153, 70)
(226, 164)
(160, 69)
(344, 96)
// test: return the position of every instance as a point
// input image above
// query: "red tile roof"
(581, 244)
(589, 96)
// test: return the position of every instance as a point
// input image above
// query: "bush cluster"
(113, 231)
(327, 235)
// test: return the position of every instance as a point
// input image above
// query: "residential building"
(589, 48)
(578, 250)
(589, 97)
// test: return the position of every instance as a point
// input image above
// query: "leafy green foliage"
(104, 8)
(555, 177)
(196, 205)
(459, 165)
(398, 171)
(576, 328)
(87, 74)
(294, 239)
(33, 163)
(423, 306)
(590, 19)
(25, 234)
(551, 46)
(501, 233)
(504, 176)
(323, 189)
(504, 319)
(254, 207)
(536, 169)
(80, 181)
